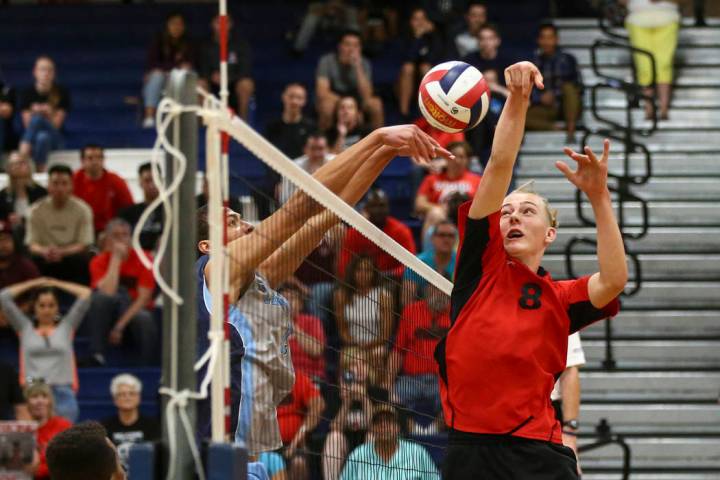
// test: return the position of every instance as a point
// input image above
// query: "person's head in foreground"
(236, 228)
(83, 452)
(40, 401)
(385, 425)
(126, 390)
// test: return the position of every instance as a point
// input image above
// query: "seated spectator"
(128, 426)
(377, 209)
(46, 339)
(41, 406)
(561, 99)
(349, 128)
(298, 415)
(364, 309)
(346, 73)
(14, 266)
(440, 257)
(332, 17)
(20, 192)
(152, 229)
(488, 56)
(431, 199)
(307, 343)
(106, 192)
(12, 401)
(83, 452)
(239, 58)
(382, 457)
(44, 107)
(359, 392)
(171, 48)
(466, 42)
(424, 49)
(122, 298)
(8, 136)
(60, 230)
(316, 155)
(412, 365)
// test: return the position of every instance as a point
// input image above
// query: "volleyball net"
(342, 355)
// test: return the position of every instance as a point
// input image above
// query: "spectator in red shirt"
(122, 297)
(307, 343)
(436, 188)
(377, 209)
(104, 191)
(298, 415)
(14, 267)
(42, 410)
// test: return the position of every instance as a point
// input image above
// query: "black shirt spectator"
(144, 429)
(489, 56)
(152, 228)
(58, 97)
(12, 401)
(8, 136)
(290, 132)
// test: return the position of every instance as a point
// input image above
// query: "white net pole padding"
(279, 162)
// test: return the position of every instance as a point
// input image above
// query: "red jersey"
(44, 434)
(418, 333)
(310, 325)
(106, 196)
(356, 244)
(437, 187)
(133, 273)
(291, 411)
(508, 340)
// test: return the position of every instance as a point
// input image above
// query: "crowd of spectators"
(365, 327)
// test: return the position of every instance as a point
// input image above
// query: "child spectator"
(152, 229)
(307, 343)
(349, 128)
(346, 73)
(60, 230)
(239, 61)
(20, 192)
(466, 42)
(46, 339)
(122, 297)
(41, 406)
(171, 48)
(12, 401)
(44, 107)
(105, 191)
(8, 137)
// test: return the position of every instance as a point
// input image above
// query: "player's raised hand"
(592, 172)
(521, 77)
(412, 142)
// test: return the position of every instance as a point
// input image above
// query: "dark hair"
(490, 26)
(43, 291)
(61, 169)
(294, 84)
(81, 453)
(317, 134)
(444, 222)
(476, 4)
(89, 146)
(464, 145)
(350, 32)
(174, 14)
(203, 227)
(549, 25)
(352, 268)
(145, 167)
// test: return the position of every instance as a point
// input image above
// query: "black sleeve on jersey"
(469, 266)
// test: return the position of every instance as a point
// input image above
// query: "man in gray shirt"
(346, 73)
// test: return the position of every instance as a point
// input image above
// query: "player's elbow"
(615, 282)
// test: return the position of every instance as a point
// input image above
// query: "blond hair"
(529, 187)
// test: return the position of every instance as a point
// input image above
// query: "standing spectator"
(239, 62)
(653, 26)
(14, 267)
(82, 452)
(349, 128)
(488, 56)
(382, 457)
(122, 297)
(346, 73)
(46, 339)
(298, 415)
(152, 229)
(330, 16)
(8, 137)
(41, 406)
(20, 192)
(44, 107)
(171, 48)
(436, 188)
(12, 401)
(440, 257)
(60, 230)
(377, 209)
(466, 42)
(424, 49)
(129, 426)
(105, 191)
(316, 155)
(307, 343)
(561, 98)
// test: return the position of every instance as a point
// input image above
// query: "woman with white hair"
(129, 426)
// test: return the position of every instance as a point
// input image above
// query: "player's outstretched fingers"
(565, 169)
(578, 157)
(606, 151)
(590, 154)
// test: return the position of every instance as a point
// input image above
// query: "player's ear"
(204, 247)
(550, 235)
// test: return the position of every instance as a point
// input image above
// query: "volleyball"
(454, 97)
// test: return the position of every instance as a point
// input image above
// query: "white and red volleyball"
(454, 97)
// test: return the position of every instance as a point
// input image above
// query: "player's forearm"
(110, 282)
(570, 393)
(366, 173)
(337, 174)
(610, 249)
(364, 86)
(509, 132)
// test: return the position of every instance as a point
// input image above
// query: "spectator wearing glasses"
(46, 339)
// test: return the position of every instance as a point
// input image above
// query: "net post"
(179, 321)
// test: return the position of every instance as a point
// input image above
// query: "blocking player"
(510, 320)
(261, 258)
